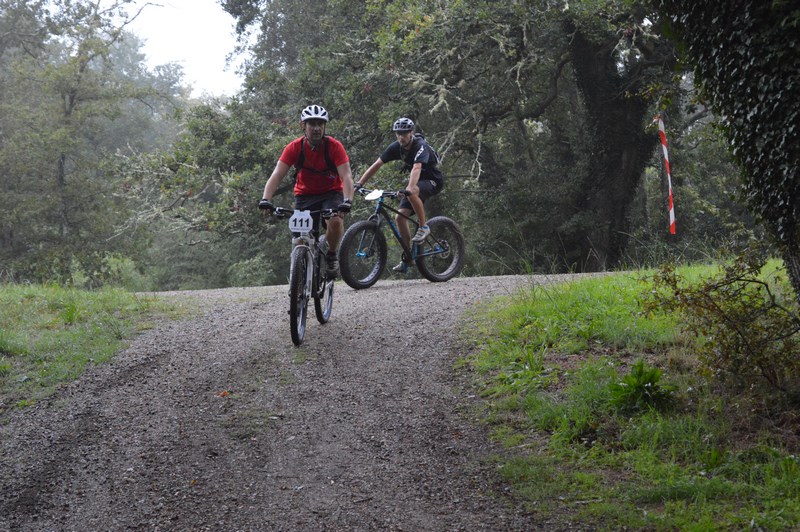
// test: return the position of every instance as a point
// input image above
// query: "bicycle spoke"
(362, 254)
(441, 255)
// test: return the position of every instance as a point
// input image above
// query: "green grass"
(608, 424)
(50, 334)
(571, 318)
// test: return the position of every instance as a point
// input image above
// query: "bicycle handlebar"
(283, 212)
(385, 193)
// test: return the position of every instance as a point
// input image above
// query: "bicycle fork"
(365, 245)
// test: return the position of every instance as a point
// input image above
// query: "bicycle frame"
(308, 238)
(363, 249)
(380, 213)
(306, 280)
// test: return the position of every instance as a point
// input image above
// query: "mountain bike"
(362, 252)
(307, 277)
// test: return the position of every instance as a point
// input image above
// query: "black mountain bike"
(362, 252)
(307, 278)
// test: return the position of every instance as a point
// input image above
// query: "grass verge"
(51, 334)
(608, 424)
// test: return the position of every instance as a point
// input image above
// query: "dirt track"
(220, 423)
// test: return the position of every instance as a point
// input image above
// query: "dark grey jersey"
(420, 152)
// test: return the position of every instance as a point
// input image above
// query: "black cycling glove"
(345, 206)
(266, 205)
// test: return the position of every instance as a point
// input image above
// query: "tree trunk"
(621, 147)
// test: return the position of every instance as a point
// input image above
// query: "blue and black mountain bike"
(362, 252)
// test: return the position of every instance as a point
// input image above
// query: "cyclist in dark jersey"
(324, 179)
(425, 178)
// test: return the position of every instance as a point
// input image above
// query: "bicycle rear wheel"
(323, 287)
(362, 254)
(298, 299)
(440, 256)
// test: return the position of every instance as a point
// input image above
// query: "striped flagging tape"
(662, 134)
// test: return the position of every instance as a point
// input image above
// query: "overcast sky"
(198, 35)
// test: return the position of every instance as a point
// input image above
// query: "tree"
(23, 26)
(65, 110)
(542, 111)
(616, 59)
(746, 62)
(495, 77)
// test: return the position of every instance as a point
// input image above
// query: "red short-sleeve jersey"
(315, 177)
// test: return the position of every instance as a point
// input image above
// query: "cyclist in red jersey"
(324, 179)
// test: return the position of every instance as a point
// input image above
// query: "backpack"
(302, 159)
(435, 153)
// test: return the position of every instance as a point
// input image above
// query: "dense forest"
(542, 110)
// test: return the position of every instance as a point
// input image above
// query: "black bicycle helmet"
(314, 112)
(403, 124)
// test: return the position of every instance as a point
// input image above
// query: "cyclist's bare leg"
(416, 203)
(334, 231)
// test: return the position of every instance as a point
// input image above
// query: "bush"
(640, 390)
(251, 272)
(120, 271)
(745, 320)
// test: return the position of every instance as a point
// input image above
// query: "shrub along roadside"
(608, 421)
(50, 334)
(745, 320)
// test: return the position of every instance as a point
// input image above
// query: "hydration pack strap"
(302, 159)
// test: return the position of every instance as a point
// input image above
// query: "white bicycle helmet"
(403, 124)
(314, 112)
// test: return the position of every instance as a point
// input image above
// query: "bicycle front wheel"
(323, 287)
(440, 256)
(298, 299)
(362, 254)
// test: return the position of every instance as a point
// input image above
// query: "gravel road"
(219, 423)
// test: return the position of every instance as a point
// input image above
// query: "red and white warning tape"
(662, 134)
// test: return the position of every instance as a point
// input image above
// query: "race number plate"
(301, 222)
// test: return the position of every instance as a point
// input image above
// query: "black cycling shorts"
(329, 200)
(427, 188)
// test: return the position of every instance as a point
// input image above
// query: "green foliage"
(579, 416)
(745, 320)
(493, 87)
(251, 272)
(69, 103)
(215, 172)
(746, 65)
(657, 447)
(570, 317)
(122, 272)
(681, 439)
(50, 334)
(707, 188)
(542, 116)
(640, 390)
(5, 368)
